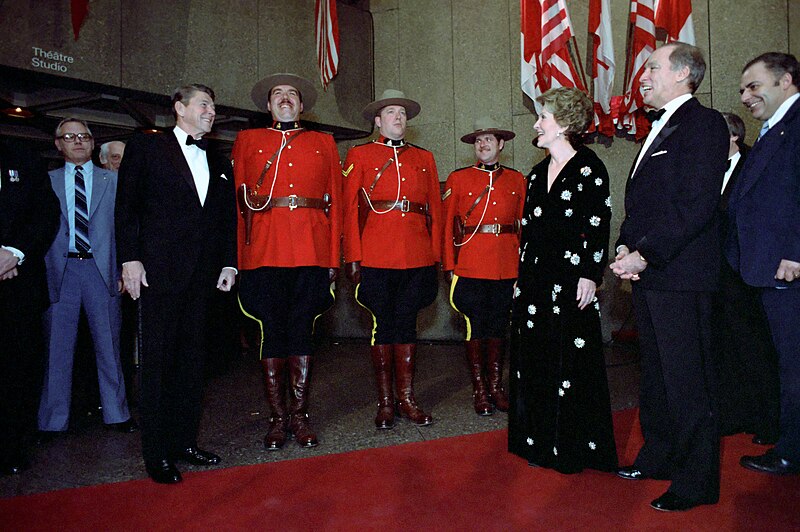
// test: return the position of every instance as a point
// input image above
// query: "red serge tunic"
(308, 167)
(392, 239)
(484, 255)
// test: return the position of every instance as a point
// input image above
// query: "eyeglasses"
(72, 137)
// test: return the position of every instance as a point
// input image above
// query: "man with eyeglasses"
(82, 273)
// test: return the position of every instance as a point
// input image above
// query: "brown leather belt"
(293, 202)
(400, 205)
(494, 229)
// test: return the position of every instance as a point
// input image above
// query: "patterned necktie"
(764, 130)
(81, 213)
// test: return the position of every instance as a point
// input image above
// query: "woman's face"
(548, 129)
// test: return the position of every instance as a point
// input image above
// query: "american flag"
(327, 32)
(602, 64)
(641, 43)
(675, 18)
(545, 44)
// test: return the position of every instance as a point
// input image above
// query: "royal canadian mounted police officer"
(392, 246)
(482, 210)
(288, 184)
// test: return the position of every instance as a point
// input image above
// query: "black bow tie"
(653, 115)
(200, 143)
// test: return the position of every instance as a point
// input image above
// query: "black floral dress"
(560, 415)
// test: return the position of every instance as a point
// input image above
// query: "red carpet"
(462, 483)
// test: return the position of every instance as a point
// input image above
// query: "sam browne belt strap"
(400, 205)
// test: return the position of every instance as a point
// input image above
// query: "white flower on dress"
(522, 257)
(575, 259)
(530, 441)
(536, 260)
(594, 220)
(518, 375)
(566, 195)
(580, 342)
(561, 392)
(598, 181)
(556, 309)
(555, 451)
(556, 288)
(585, 171)
(517, 292)
(566, 385)
(598, 256)
(567, 254)
(592, 445)
(530, 324)
(524, 221)
(531, 309)
(597, 307)
(568, 213)
(580, 187)
(533, 176)
(608, 201)
(537, 211)
(594, 299)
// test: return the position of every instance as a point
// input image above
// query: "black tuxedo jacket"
(159, 219)
(29, 215)
(671, 201)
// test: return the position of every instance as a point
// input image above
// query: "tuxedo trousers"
(677, 397)
(782, 307)
(171, 363)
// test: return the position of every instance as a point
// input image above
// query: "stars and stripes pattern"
(641, 43)
(546, 31)
(327, 33)
(81, 213)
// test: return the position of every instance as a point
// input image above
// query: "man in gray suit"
(82, 273)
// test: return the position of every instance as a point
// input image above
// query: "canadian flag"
(675, 18)
(545, 34)
(602, 64)
(642, 43)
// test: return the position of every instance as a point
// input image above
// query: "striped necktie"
(81, 213)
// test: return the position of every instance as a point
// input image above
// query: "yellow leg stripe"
(374, 320)
(333, 295)
(260, 327)
(452, 304)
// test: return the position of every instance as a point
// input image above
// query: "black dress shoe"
(163, 472)
(770, 463)
(198, 457)
(669, 502)
(125, 427)
(632, 473)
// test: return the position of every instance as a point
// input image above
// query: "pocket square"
(223, 176)
(656, 154)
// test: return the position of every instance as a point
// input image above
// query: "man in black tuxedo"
(176, 241)
(28, 223)
(747, 364)
(669, 248)
(764, 240)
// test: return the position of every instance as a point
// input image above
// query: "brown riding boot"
(299, 381)
(480, 397)
(275, 379)
(382, 362)
(495, 349)
(404, 366)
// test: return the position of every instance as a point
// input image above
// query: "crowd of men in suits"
(162, 226)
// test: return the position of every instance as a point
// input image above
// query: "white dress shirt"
(198, 164)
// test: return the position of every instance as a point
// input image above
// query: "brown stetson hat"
(261, 90)
(391, 97)
(486, 125)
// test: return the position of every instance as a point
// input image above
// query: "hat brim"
(372, 110)
(261, 90)
(504, 134)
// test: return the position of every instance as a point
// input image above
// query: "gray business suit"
(92, 284)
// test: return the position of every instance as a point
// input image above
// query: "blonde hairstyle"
(571, 109)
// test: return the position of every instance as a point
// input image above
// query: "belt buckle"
(292, 202)
(496, 229)
(405, 205)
